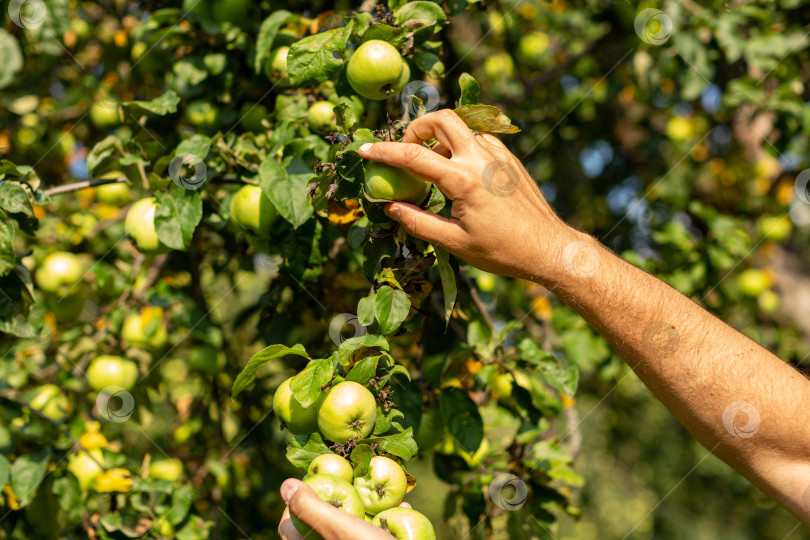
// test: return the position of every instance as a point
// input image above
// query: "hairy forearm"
(701, 369)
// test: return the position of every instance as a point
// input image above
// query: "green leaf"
(259, 359)
(461, 416)
(469, 90)
(391, 308)
(12, 57)
(361, 458)
(182, 496)
(14, 199)
(103, 150)
(161, 106)
(267, 34)
(364, 370)
(426, 13)
(395, 369)
(306, 386)
(401, 444)
(197, 145)
(349, 350)
(375, 251)
(430, 64)
(448, 281)
(346, 118)
(396, 36)
(302, 455)
(486, 118)
(5, 471)
(287, 188)
(365, 309)
(313, 59)
(7, 257)
(178, 214)
(385, 420)
(27, 472)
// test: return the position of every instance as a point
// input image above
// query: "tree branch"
(76, 186)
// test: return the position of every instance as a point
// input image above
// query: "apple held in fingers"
(298, 420)
(348, 411)
(331, 464)
(337, 492)
(405, 524)
(390, 183)
(383, 486)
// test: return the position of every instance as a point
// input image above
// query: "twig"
(76, 186)
(478, 303)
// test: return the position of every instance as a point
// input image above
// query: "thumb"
(428, 226)
(325, 519)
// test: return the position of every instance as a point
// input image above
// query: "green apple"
(321, 117)
(104, 113)
(107, 371)
(337, 492)
(532, 46)
(49, 400)
(405, 524)
(383, 486)
(116, 194)
(238, 12)
(252, 209)
(776, 228)
(754, 282)
(85, 465)
(331, 464)
(348, 411)
(501, 386)
(205, 359)
(275, 67)
(203, 114)
(251, 116)
(499, 66)
(166, 469)
(298, 420)
(768, 301)
(390, 183)
(375, 70)
(140, 225)
(146, 330)
(59, 272)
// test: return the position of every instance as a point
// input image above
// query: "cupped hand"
(325, 519)
(500, 221)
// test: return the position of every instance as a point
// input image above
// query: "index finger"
(444, 125)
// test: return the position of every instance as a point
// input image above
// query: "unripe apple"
(499, 66)
(104, 113)
(405, 524)
(49, 400)
(337, 492)
(768, 301)
(753, 281)
(115, 194)
(252, 209)
(298, 420)
(107, 371)
(348, 411)
(166, 469)
(59, 272)
(776, 228)
(532, 46)
(275, 67)
(85, 466)
(501, 386)
(140, 225)
(205, 359)
(383, 181)
(321, 116)
(375, 70)
(331, 464)
(203, 114)
(146, 329)
(383, 486)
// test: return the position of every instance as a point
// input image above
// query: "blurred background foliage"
(677, 138)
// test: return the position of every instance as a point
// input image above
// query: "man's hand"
(500, 222)
(328, 521)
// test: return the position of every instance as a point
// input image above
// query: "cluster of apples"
(348, 411)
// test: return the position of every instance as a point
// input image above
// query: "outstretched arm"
(739, 400)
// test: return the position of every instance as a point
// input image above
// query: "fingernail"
(365, 147)
(288, 489)
(392, 211)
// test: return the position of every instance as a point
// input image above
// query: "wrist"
(571, 259)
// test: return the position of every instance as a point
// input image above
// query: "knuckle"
(412, 152)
